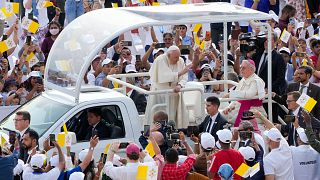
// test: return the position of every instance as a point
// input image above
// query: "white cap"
(106, 61)
(302, 135)
(207, 141)
(274, 16)
(317, 15)
(205, 66)
(77, 176)
(34, 74)
(83, 154)
(248, 153)
(130, 68)
(96, 57)
(287, 50)
(1, 96)
(224, 135)
(37, 160)
(273, 134)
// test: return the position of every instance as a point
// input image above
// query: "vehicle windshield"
(44, 113)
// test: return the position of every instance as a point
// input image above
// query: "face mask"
(54, 31)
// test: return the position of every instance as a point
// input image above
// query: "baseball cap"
(225, 171)
(130, 68)
(34, 74)
(77, 176)
(158, 50)
(317, 15)
(302, 135)
(273, 134)
(97, 57)
(37, 160)
(83, 154)
(205, 66)
(132, 148)
(224, 135)
(106, 61)
(207, 141)
(284, 50)
(248, 153)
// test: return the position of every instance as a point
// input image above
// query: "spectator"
(174, 78)
(235, 159)
(107, 69)
(33, 86)
(73, 9)
(124, 172)
(287, 12)
(181, 36)
(279, 155)
(252, 157)
(54, 30)
(35, 171)
(250, 86)
(315, 47)
(304, 158)
(285, 53)
(214, 121)
(173, 171)
(7, 163)
(205, 149)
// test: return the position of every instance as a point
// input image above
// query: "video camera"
(250, 42)
(172, 134)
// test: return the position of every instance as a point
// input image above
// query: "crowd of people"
(174, 55)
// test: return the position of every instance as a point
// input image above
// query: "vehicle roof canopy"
(72, 53)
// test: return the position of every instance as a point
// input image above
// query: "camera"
(249, 42)
(173, 138)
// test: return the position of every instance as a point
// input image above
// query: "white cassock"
(165, 76)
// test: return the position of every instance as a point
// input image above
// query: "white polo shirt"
(305, 162)
(279, 162)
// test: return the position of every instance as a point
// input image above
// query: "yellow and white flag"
(44, 4)
(183, 1)
(246, 171)
(147, 172)
(196, 28)
(30, 25)
(4, 14)
(6, 45)
(114, 5)
(12, 7)
(306, 102)
(285, 36)
(106, 149)
(32, 59)
(155, 4)
(150, 149)
(3, 141)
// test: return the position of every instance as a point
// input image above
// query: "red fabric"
(314, 60)
(230, 156)
(174, 172)
(245, 106)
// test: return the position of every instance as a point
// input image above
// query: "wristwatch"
(91, 148)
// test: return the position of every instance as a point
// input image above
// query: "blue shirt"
(68, 173)
(7, 164)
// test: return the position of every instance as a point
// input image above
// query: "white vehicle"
(65, 100)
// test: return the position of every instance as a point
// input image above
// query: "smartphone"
(30, 16)
(292, 21)
(300, 54)
(103, 158)
(314, 21)
(52, 138)
(146, 130)
(160, 45)
(208, 36)
(289, 118)
(244, 135)
(127, 43)
(123, 145)
(247, 113)
(220, 38)
(28, 40)
(235, 34)
(138, 58)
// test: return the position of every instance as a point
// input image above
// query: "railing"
(167, 92)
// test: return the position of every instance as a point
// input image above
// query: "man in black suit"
(303, 86)
(22, 125)
(278, 71)
(294, 109)
(96, 125)
(214, 121)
